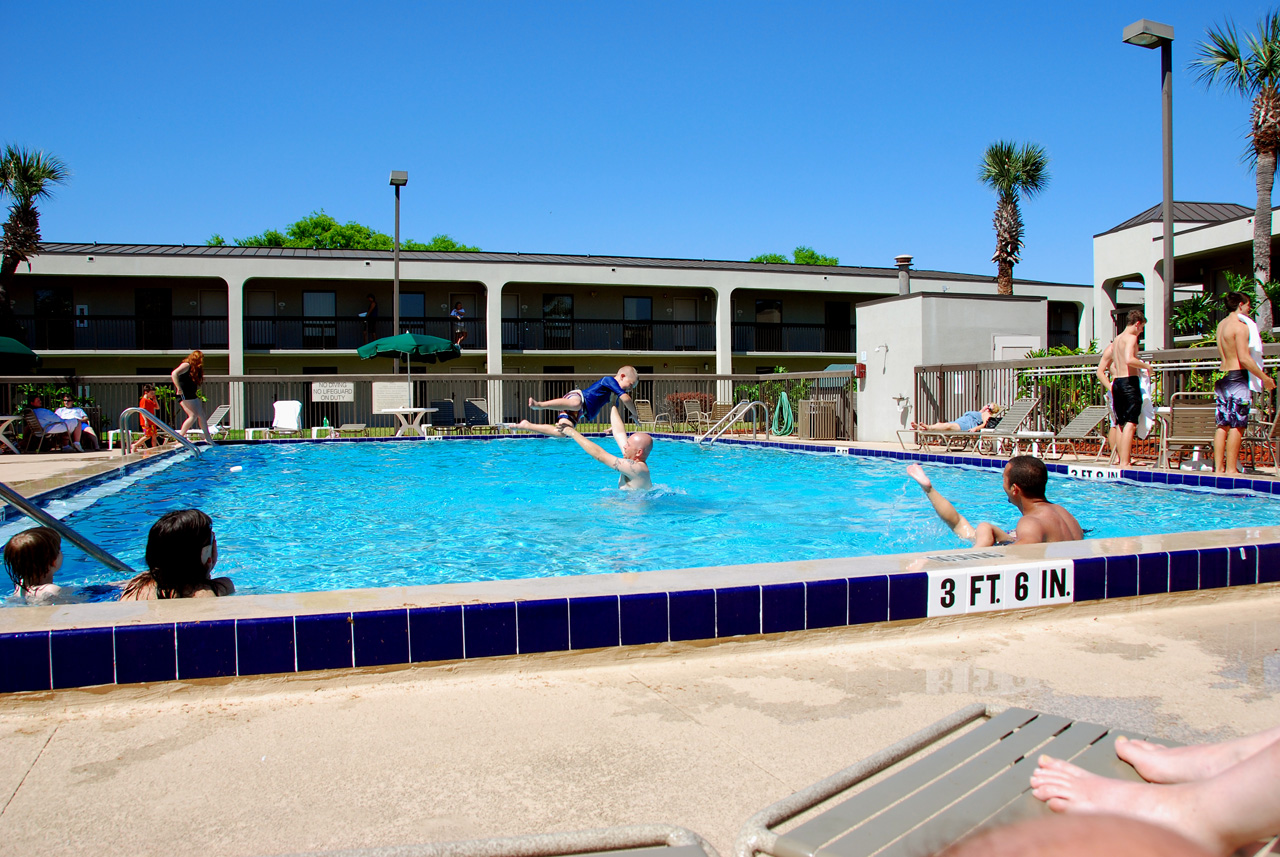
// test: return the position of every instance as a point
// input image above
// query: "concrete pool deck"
(697, 735)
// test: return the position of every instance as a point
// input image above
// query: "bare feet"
(533, 404)
(1159, 764)
(916, 472)
(1070, 789)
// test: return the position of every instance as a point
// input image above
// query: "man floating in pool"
(1025, 478)
(633, 473)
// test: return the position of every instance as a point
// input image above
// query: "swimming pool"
(330, 516)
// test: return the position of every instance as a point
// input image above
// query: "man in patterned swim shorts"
(1232, 394)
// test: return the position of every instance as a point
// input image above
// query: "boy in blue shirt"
(579, 404)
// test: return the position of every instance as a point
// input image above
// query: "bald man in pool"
(633, 472)
(1025, 478)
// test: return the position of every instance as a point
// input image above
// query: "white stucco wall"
(899, 333)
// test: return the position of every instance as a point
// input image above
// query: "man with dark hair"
(1025, 478)
(1118, 371)
(1233, 394)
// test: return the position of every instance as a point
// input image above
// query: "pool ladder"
(126, 438)
(736, 413)
(43, 518)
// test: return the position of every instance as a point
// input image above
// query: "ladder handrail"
(736, 413)
(42, 517)
(126, 436)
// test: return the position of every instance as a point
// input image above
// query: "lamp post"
(399, 178)
(1149, 34)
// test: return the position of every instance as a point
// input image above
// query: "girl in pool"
(31, 558)
(186, 380)
(181, 551)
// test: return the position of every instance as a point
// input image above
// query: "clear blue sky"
(715, 130)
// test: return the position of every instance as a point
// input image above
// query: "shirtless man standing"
(1118, 371)
(1025, 478)
(633, 473)
(1232, 394)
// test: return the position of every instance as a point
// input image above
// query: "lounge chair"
(1082, 428)
(940, 788)
(287, 421)
(215, 424)
(442, 419)
(1192, 422)
(349, 429)
(34, 433)
(1266, 435)
(1014, 420)
(477, 416)
(646, 419)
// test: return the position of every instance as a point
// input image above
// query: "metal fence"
(823, 404)
(1063, 385)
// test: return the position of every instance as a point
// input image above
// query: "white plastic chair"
(288, 420)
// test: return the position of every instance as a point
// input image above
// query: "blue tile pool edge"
(747, 610)
(44, 660)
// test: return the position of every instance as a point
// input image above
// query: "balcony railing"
(128, 332)
(787, 338)
(123, 332)
(287, 332)
(548, 334)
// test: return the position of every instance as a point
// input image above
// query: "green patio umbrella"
(409, 345)
(16, 357)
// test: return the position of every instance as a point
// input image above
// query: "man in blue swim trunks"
(969, 421)
(583, 404)
(1232, 394)
(1025, 478)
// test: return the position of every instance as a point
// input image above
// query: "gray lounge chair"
(940, 789)
(1083, 427)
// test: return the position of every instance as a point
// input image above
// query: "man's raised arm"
(619, 428)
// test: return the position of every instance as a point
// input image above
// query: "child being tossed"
(583, 404)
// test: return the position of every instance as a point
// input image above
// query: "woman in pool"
(186, 380)
(181, 551)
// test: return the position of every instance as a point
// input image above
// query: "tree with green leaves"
(1012, 171)
(801, 256)
(319, 230)
(26, 175)
(1251, 66)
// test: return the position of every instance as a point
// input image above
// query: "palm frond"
(29, 174)
(1221, 58)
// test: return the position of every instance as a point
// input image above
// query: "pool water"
(326, 516)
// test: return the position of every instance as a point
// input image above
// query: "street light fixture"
(1149, 34)
(399, 178)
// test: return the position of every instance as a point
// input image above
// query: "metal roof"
(505, 258)
(1187, 212)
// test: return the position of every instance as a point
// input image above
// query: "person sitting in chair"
(48, 420)
(71, 411)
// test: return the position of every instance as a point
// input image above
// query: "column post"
(493, 348)
(724, 342)
(235, 350)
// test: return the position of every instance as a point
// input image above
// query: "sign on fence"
(390, 395)
(333, 391)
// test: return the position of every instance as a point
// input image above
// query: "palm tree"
(1011, 170)
(26, 176)
(1252, 68)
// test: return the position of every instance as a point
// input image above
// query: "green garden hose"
(783, 422)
